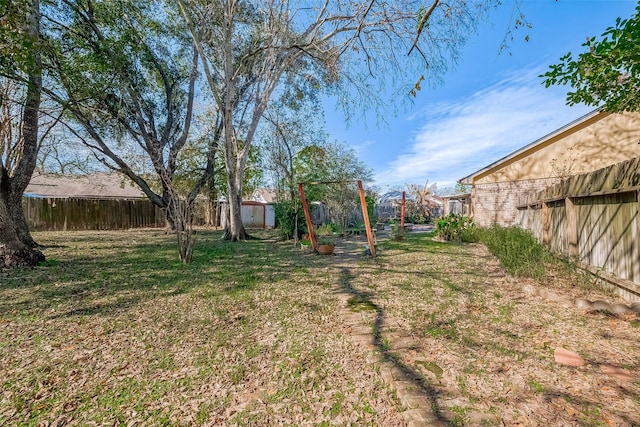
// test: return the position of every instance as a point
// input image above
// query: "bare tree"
(252, 49)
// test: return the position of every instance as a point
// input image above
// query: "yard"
(114, 330)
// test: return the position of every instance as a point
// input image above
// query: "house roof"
(537, 145)
(263, 195)
(393, 196)
(94, 186)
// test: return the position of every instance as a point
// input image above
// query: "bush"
(325, 230)
(518, 251)
(285, 213)
(457, 228)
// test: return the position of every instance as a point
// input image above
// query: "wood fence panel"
(91, 214)
(602, 222)
(607, 226)
(558, 230)
(530, 218)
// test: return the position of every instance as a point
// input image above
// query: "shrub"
(286, 213)
(518, 251)
(325, 230)
(456, 228)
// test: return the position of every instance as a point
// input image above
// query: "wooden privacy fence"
(593, 218)
(48, 214)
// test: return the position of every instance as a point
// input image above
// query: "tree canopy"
(608, 73)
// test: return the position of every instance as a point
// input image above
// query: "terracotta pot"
(326, 249)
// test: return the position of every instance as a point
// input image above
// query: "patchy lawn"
(114, 330)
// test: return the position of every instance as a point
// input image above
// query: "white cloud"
(361, 148)
(457, 138)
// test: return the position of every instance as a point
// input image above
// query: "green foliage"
(371, 208)
(609, 72)
(286, 213)
(518, 251)
(457, 228)
(324, 230)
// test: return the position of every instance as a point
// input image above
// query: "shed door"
(253, 216)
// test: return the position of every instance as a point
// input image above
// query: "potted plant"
(305, 245)
(325, 244)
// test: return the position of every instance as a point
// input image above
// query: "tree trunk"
(13, 252)
(235, 230)
(17, 248)
(20, 222)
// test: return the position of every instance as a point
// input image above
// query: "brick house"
(589, 143)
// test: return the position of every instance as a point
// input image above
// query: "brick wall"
(495, 203)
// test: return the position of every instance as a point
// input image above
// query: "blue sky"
(490, 104)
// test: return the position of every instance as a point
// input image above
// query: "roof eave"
(571, 127)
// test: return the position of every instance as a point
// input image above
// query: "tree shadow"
(407, 373)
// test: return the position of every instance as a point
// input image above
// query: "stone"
(583, 303)
(413, 401)
(615, 371)
(566, 357)
(620, 308)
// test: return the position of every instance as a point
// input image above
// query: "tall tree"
(127, 78)
(608, 73)
(252, 48)
(22, 67)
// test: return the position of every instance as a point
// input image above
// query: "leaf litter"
(118, 333)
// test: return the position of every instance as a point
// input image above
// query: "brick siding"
(495, 203)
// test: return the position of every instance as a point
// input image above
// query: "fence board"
(606, 229)
(91, 214)
(605, 210)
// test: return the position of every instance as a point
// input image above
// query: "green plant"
(287, 216)
(324, 240)
(457, 228)
(325, 230)
(518, 251)
(397, 232)
(371, 208)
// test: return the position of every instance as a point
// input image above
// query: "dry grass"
(114, 330)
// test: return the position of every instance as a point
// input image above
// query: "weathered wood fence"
(45, 214)
(593, 218)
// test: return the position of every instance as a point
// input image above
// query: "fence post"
(365, 216)
(546, 224)
(635, 235)
(572, 226)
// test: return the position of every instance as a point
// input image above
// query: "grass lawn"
(114, 330)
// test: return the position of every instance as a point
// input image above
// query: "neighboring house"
(592, 142)
(94, 186)
(263, 195)
(100, 201)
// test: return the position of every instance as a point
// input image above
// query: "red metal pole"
(402, 210)
(307, 217)
(365, 215)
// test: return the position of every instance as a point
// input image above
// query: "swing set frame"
(363, 205)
